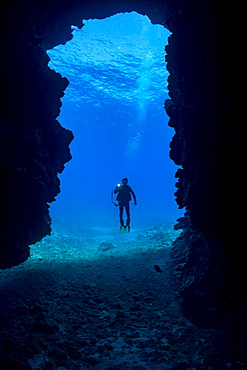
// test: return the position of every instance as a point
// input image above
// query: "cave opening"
(114, 105)
(117, 311)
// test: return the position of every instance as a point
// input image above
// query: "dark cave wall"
(205, 111)
(206, 115)
(34, 147)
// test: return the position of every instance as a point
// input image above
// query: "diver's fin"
(121, 229)
(128, 227)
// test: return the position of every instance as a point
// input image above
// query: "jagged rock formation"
(204, 110)
(34, 147)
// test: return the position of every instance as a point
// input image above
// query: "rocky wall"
(206, 114)
(34, 147)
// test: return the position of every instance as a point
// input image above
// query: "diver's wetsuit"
(127, 210)
(123, 198)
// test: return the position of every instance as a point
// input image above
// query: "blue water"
(114, 106)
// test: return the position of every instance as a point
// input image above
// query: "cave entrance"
(114, 106)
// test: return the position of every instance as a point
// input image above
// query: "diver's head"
(125, 181)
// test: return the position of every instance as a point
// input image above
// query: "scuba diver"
(124, 192)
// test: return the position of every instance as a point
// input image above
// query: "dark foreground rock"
(68, 308)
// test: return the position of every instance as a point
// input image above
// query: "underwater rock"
(182, 223)
(202, 111)
(106, 246)
(8, 362)
(45, 327)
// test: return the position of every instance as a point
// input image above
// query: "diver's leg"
(127, 209)
(121, 214)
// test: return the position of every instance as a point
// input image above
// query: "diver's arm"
(117, 189)
(134, 196)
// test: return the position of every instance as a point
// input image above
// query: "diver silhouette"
(124, 192)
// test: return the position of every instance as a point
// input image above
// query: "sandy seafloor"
(91, 299)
